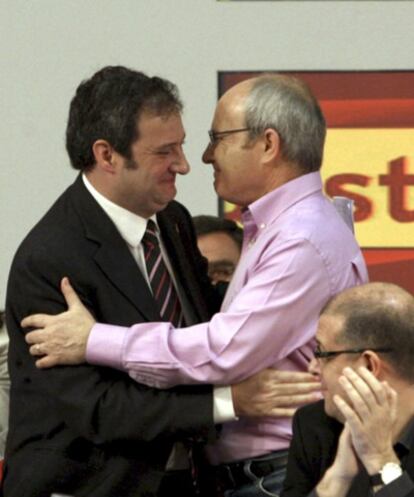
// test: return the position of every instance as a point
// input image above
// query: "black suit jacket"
(313, 450)
(86, 430)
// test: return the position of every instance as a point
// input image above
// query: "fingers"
(365, 391)
(279, 406)
(293, 388)
(357, 400)
(289, 376)
(69, 293)
(36, 350)
(296, 400)
(35, 321)
(283, 412)
(347, 412)
(345, 440)
(37, 336)
(377, 387)
(39, 349)
(271, 386)
(46, 362)
(369, 398)
(43, 320)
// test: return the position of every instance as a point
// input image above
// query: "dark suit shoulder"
(175, 208)
(317, 432)
(314, 416)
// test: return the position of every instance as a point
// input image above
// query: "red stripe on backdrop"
(382, 113)
(340, 85)
(392, 266)
(383, 256)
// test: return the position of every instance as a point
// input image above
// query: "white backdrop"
(48, 46)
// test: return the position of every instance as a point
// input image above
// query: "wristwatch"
(389, 472)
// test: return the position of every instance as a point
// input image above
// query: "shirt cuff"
(400, 487)
(104, 346)
(223, 409)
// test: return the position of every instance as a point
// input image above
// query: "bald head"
(285, 104)
(237, 94)
(387, 295)
(378, 315)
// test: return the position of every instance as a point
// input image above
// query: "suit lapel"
(112, 254)
(121, 269)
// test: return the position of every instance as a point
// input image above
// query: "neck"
(282, 173)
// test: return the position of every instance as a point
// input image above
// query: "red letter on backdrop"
(335, 186)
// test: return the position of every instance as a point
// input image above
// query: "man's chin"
(167, 196)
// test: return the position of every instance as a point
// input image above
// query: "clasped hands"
(367, 438)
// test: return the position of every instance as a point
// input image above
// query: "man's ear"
(104, 156)
(372, 362)
(271, 144)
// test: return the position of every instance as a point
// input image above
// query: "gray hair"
(286, 104)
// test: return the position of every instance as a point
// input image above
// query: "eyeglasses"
(215, 136)
(325, 354)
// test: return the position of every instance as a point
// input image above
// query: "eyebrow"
(171, 144)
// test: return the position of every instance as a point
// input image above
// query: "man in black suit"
(92, 431)
(359, 441)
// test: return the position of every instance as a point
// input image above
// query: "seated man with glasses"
(359, 441)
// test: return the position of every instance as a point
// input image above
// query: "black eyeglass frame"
(215, 136)
(325, 354)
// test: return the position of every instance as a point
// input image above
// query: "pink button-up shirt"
(297, 254)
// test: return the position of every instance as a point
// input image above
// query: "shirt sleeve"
(273, 314)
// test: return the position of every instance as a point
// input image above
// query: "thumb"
(69, 293)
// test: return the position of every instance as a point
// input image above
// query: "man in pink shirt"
(266, 148)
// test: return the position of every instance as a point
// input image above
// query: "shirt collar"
(268, 208)
(130, 226)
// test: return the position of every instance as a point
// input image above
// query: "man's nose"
(181, 165)
(208, 154)
(314, 367)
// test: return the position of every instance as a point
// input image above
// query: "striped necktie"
(163, 289)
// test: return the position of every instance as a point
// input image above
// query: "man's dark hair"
(204, 225)
(378, 315)
(108, 106)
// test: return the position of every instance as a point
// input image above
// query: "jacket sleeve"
(97, 403)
